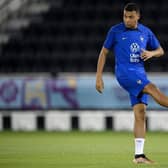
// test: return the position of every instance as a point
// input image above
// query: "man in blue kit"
(132, 44)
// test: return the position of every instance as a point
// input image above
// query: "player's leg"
(139, 133)
(157, 95)
(139, 120)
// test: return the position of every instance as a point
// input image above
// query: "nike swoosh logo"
(124, 38)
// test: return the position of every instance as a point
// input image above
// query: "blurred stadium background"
(49, 51)
(48, 57)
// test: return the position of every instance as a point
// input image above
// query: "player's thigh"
(151, 89)
(158, 96)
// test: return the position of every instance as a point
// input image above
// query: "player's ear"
(138, 15)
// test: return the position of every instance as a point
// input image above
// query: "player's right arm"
(100, 66)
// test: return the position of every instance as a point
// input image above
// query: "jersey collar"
(137, 29)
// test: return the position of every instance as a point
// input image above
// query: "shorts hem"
(139, 103)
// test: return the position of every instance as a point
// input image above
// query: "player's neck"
(133, 27)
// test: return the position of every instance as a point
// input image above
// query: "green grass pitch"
(78, 149)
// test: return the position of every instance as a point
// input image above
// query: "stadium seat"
(69, 36)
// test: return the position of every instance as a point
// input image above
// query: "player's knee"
(140, 116)
(139, 111)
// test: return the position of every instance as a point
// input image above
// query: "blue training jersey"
(127, 45)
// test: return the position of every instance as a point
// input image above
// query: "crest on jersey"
(141, 38)
(134, 47)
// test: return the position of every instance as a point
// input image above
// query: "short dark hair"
(132, 7)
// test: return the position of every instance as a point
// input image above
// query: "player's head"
(131, 15)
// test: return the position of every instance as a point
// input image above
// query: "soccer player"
(132, 44)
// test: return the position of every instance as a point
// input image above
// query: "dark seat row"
(70, 35)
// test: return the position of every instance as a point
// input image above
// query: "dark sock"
(138, 156)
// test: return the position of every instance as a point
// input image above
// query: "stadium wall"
(69, 92)
(79, 120)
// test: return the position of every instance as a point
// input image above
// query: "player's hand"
(99, 84)
(145, 54)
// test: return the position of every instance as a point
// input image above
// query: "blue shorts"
(134, 83)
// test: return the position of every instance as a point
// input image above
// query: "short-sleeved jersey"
(127, 45)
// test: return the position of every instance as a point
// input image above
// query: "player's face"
(131, 18)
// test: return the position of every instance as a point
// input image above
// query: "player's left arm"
(146, 54)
